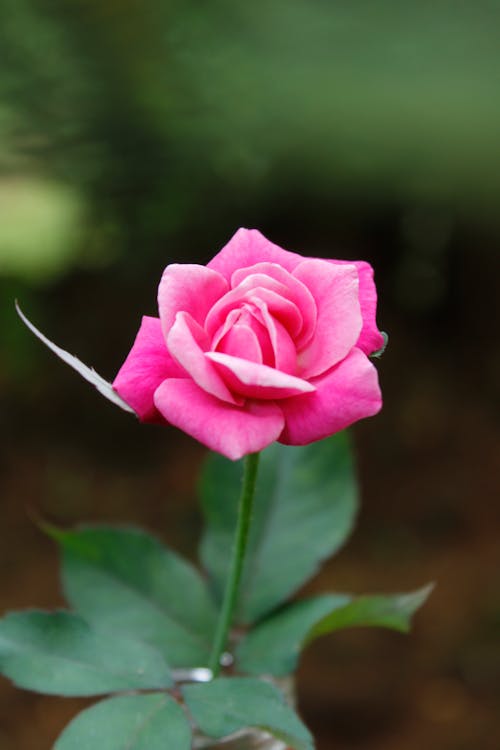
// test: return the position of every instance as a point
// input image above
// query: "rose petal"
(296, 292)
(188, 288)
(272, 292)
(248, 247)
(251, 318)
(284, 351)
(229, 430)
(257, 381)
(187, 342)
(348, 392)
(335, 290)
(147, 365)
(370, 338)
(241, 341)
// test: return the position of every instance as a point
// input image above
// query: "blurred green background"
(138, 133)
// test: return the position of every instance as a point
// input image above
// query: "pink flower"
(259, 345)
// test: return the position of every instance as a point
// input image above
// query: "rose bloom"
(260, 345)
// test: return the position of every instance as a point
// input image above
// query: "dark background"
(138, 133)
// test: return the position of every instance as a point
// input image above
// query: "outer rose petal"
(248, 247)
(370, 339)
(227, 429)
(188, 288)
(348, 392)
(147, 365)
(335, 289)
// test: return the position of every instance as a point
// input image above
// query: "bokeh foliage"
(135, 120)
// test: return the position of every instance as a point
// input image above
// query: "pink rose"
(259, 345)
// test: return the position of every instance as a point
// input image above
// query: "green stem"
(238, 556)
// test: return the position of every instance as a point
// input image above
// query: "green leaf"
(305, 505)
(124, 580)
(274, 646)
(227, 705)
(59, 653)
(129, 722)
(392, 611)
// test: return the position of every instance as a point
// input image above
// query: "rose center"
(245, 335)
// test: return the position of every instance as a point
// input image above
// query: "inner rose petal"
(296, 292)
(187, 342)
(252, 318)
(271, 291)
(257, 381)
(241, 341)
(284, 351)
